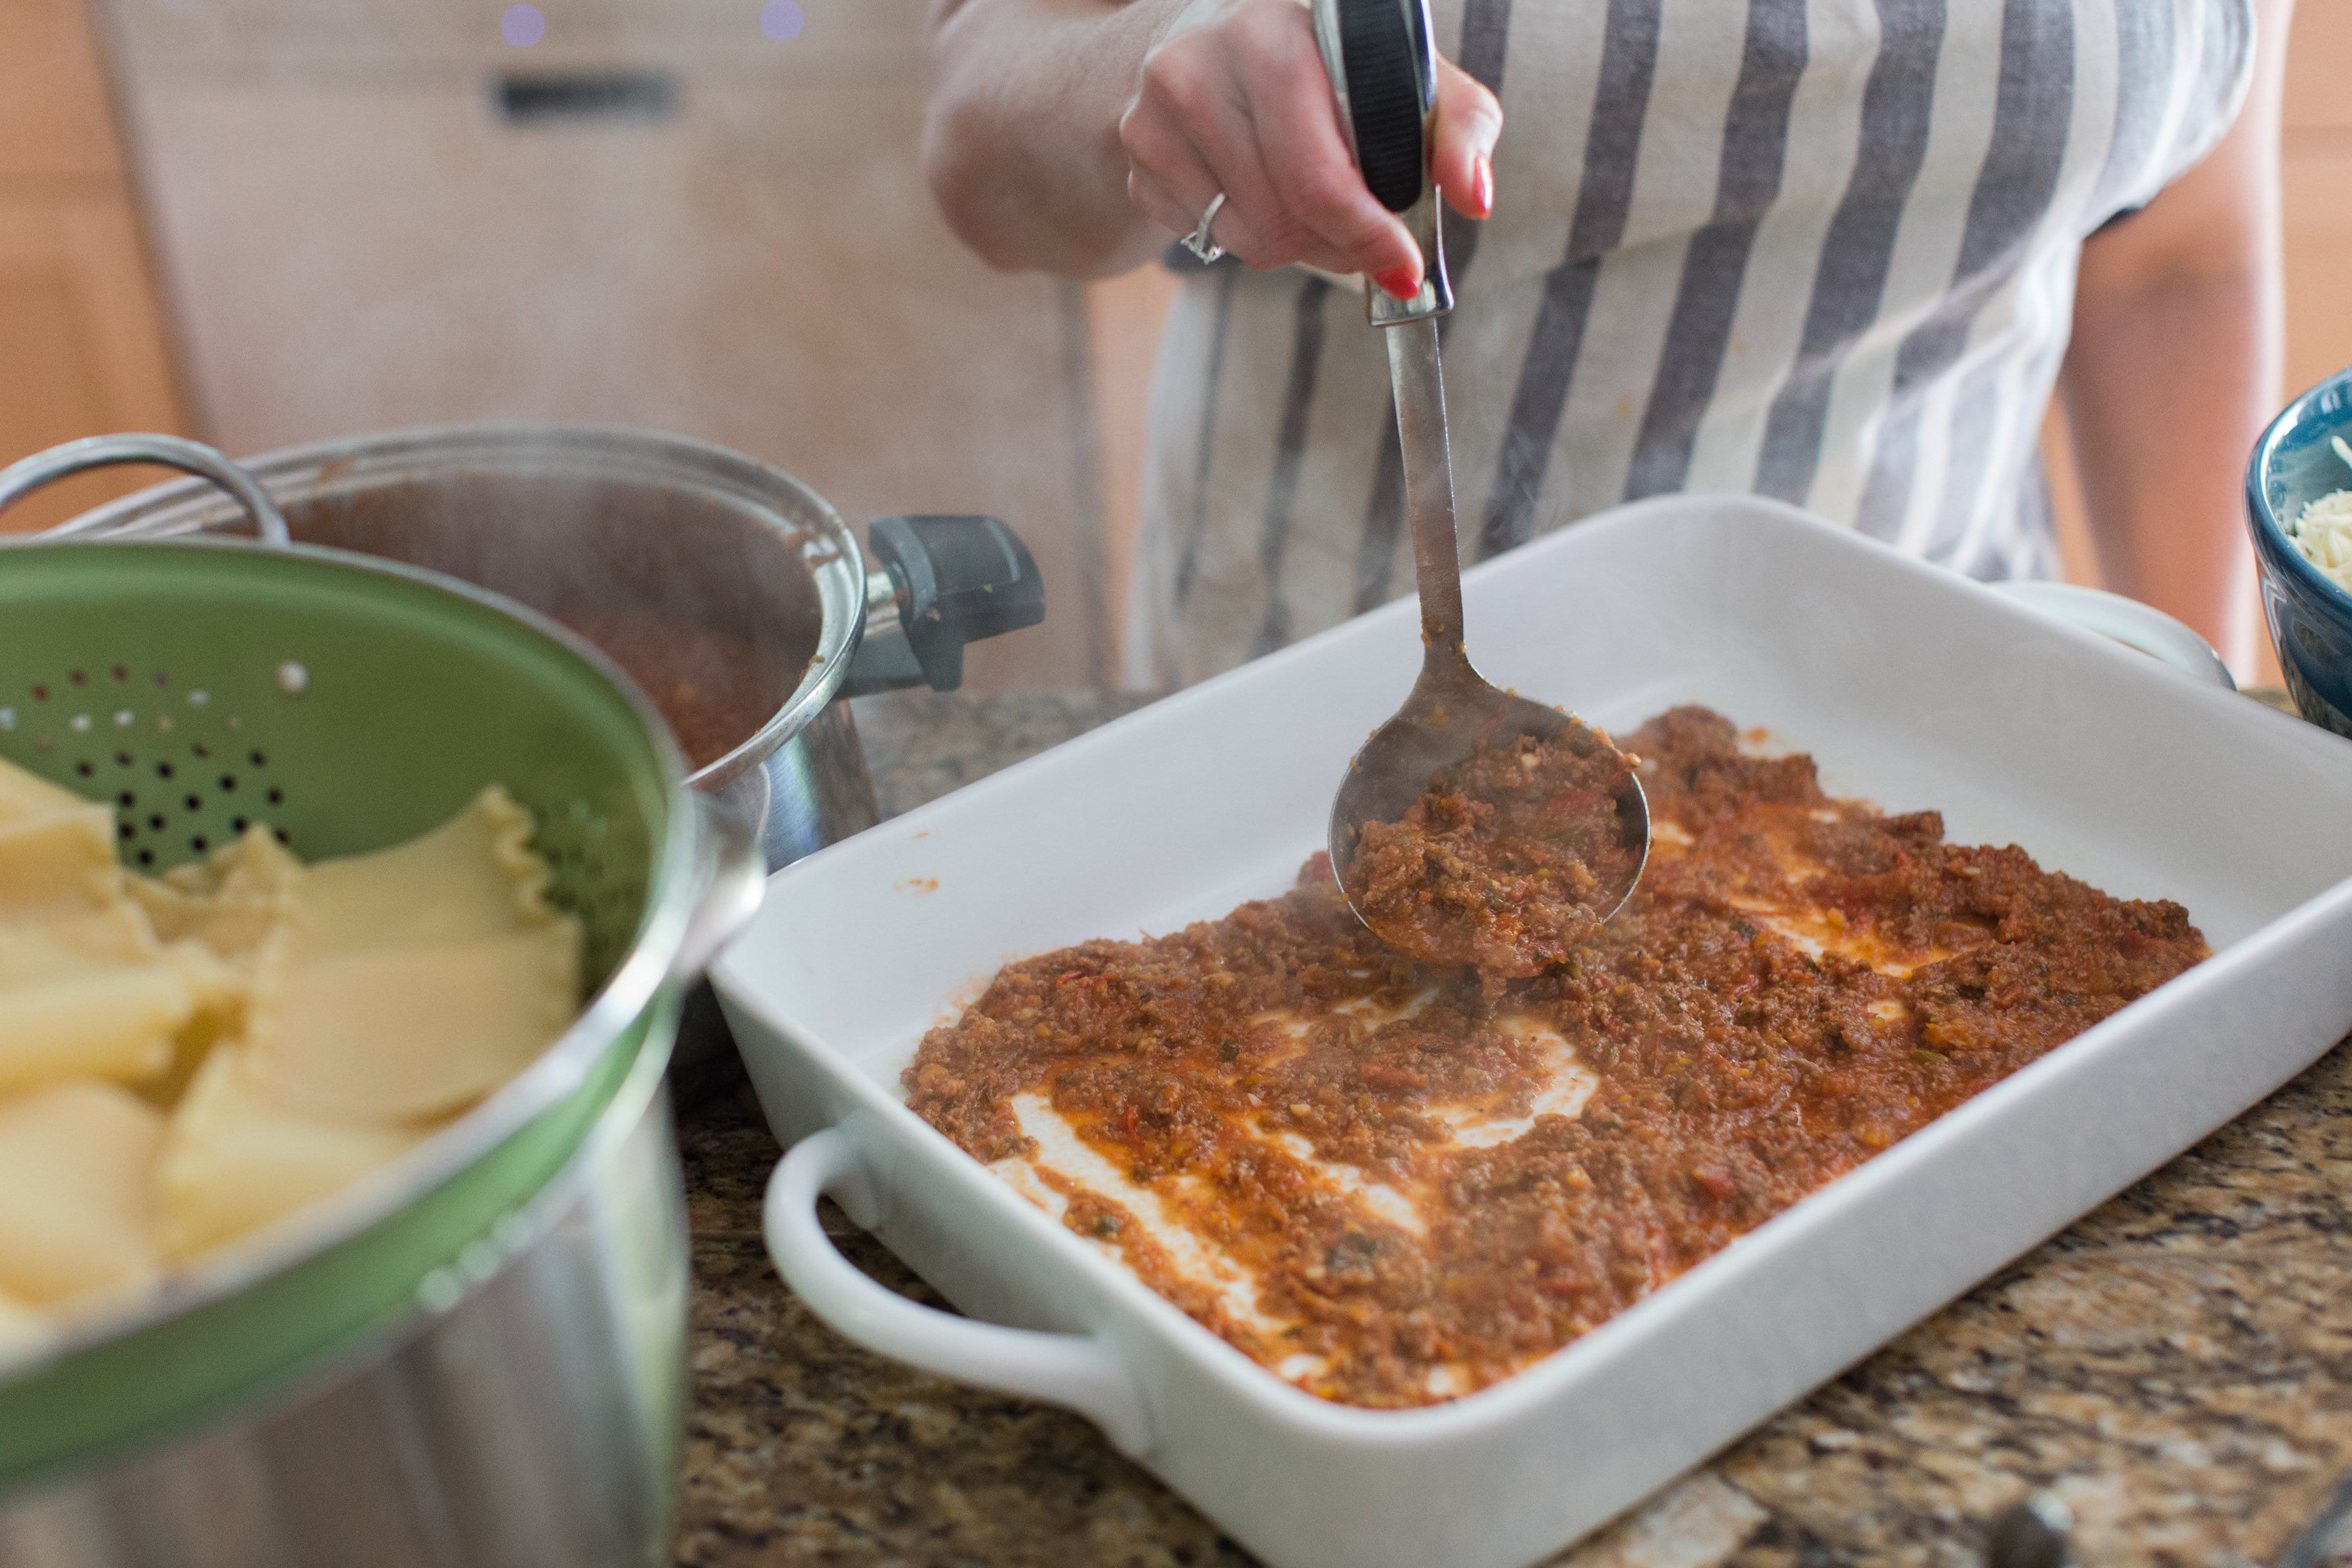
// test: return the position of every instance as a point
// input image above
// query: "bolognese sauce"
(1391, 1186)
(715, 689)
(1507, 861)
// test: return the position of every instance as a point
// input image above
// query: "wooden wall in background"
(1124, 319)
(82, 346)
(2318, 159)
(367, 225)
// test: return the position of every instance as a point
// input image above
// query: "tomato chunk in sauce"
(1391, 1187)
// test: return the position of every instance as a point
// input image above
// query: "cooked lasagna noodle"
(186, 1059)
(1392, 1188)
(1507, 861)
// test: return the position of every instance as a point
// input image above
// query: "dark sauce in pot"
(715, 689)
(710, 612)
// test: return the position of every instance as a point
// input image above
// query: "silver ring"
(1199, 241)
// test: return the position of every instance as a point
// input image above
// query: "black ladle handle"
(1383, 68)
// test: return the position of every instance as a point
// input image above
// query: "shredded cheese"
(2324, 531)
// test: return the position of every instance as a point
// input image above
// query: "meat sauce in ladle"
(1475, 828)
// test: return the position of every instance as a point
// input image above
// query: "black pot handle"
(954, 580)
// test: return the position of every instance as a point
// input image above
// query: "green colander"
(346, 704)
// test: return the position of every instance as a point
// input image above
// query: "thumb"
(1469, 119)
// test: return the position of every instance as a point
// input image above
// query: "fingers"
(1190, 134)
(1469, 119)
(1305, 155)
(1167, 177)
(1236, 100)
(1173, 182)
(1177, 214)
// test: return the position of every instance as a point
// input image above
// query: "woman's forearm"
(2167, 387)
(1021, 139)
(2175, 366)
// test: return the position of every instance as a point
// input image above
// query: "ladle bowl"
(1382, 65)
(1450, 713)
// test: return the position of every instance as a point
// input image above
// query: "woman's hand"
(1234, 99)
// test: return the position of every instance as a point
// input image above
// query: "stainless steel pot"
(476, 1356)
(583, 524)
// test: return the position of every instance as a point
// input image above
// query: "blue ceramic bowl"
(2310, 617)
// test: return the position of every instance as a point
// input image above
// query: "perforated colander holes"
(578, 844)
(172, 800)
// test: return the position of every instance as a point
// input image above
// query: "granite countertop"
(2176, 1368)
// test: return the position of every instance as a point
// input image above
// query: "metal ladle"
(1383, 69)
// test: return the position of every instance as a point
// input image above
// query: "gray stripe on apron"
(1486, 46)
(1486, 41)
(1290, 451)
(1755, 150)
(1897, 105)
(2144, 36)
(1189, 562)
(1629, 60)
(2031, 113)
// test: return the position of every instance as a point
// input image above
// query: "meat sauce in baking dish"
(1392, 1188)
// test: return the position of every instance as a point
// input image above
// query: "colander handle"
(29, 473)
(735, 877)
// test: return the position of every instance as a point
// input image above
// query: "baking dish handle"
(1073, 1370)
(2123, 620)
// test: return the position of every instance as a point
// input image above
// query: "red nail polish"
(1482, 185)
(1398, 282)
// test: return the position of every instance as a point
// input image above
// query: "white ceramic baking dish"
(1912, 687)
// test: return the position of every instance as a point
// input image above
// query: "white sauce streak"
(1197, 1258)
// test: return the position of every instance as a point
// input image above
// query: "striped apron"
(1822, 250)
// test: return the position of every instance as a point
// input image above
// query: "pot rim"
(565, 1066)
(782, 503)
